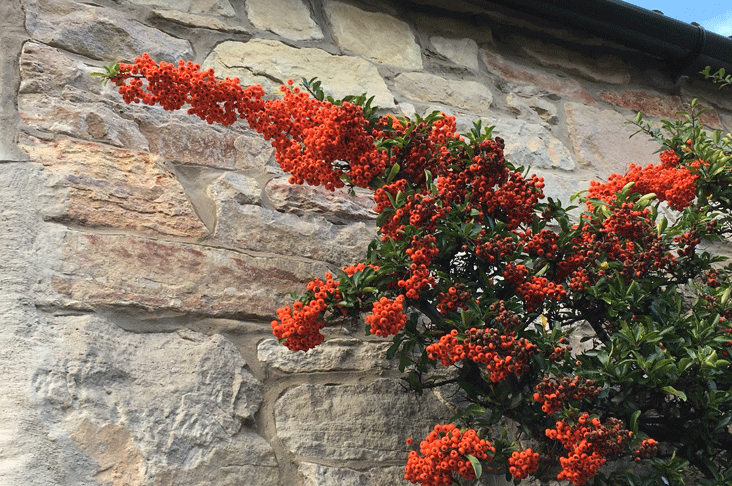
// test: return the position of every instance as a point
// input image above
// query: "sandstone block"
(138, 273)
(290, 19)
(359, 422)
(463, 52)
(513, 72)
(103, 187)
(467, 95)
(655, 104)
(208, 7)
(529, 144)
(196, 20)
(336, 206)
(259, 61)
(374, 35)
(340, 354)
(601, 141)
(99, 33)
(319, 475)
(150, 408)
(533, 109)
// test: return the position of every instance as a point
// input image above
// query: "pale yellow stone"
(290, 19)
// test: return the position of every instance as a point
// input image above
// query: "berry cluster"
(589, 442)
(553, 392)
(387, 316)
(523, 463)
(503, 354)
(444, 451)
(647, 449)
(454, 299)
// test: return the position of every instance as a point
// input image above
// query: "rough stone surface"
(93, 383)
(463, 52)
(99, 33)
(290, 19)
(340, 75)
(513, 72)
(195, 20)
(11, 42)
(340, 354)
(603, 68)
(654, 104)
(210, 7)
(467, 95)
(336, 206)
(362, 421)
(126, 271)
(532, 145)
(374, 35)
(601, 141)
(533, 109)
(101, 187)
(317, 475)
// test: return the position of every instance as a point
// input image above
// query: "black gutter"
(685, 48)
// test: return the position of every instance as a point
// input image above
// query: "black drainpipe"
(685, 48)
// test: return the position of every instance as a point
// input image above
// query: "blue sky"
(712, 15)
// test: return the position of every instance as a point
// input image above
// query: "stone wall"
(145, 252)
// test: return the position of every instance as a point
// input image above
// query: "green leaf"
(673, 391)
(392, 173)
(634, 421)
(476, 465)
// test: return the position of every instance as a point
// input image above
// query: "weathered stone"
(467, 95)
(336, 206)
(271, 63)
(98, 32)
(533, 109)
(655, 104)
(463, 52)
(361, 422)
(603, 68)
(374, 35)
(319, 475)
(513, 72)
(560, 186)
(195, 20)
(601, 140)
(241, 224)
(127, 271)
(460, 26)
(209, 7)
(529, 144)
(151, 408)
(340, 354)
(102, 187)
(290, 19)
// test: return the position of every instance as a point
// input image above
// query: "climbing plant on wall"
(482, 283)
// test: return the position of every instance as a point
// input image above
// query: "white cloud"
(721, 24)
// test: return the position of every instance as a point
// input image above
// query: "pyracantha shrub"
(483, 282)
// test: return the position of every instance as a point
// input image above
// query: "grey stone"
(533, 109)
(195, 20)
(290, 19)
(142, 404)
(359, 422)
(99, 33)
(319, 475)
(602, 143)
(463, 51)
(340, 354)
(209, 7)
(336, 206)
(374, 35)
(271, 63)
(467, 95)
(529, 144)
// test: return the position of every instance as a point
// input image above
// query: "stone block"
(532, 108)
(290, 19)
(196, 20)
(516, 73)
(271, 63)
(655, 104)
(98, 270)
(336, 206)
(364, 421)
(221, 8)
(374, 35)
(99, 33)
(340, 354)
(98, 186)
(532, 145)
(320, 475)
(602, 143)
(466, 95)
(463, 51)
(149, 408)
